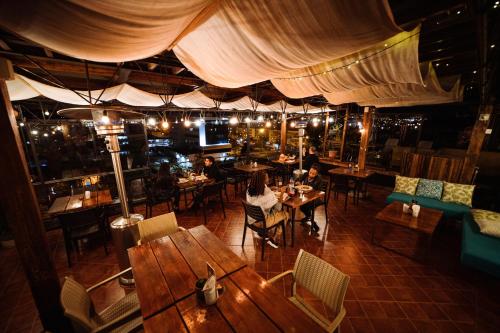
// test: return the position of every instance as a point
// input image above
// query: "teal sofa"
(449, 209)
(479, 251)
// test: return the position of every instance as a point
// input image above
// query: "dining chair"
(154, 198)
(342, 184)
(324, 282)
(324, 187)
(260, 224)
(211, 191)
(122, 316)
(157, 227)
(88, 223)
(235, 178)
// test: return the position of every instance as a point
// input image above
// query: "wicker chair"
(157, 227)
(122, 316)
(323, 281)
(260, 225)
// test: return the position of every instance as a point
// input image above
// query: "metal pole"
(114, 149)
(300, 154)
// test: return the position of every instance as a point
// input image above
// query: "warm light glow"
(233, 121)
(47, 113)
(330, 119)
(59, 128)
(165, 124)
(105, 119)
(187, 122)
(34, 132)
(197, 122)
(268, 123)
(151, 122)
(315, 124)
(292, 124)
(261, 130)
(260, 118)
(21, 124)
(247, 119)
(45, 134)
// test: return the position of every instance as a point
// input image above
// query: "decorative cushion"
(458, 193)
(406, 185)
(430, 188)
(488, 221)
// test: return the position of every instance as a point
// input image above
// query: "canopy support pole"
(283, 133)
(344, 134)
(325, 136)
(20, 206)
(365, 136)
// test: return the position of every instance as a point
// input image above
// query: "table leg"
(293, 226)
(313, 222)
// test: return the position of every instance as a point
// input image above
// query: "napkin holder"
(415, 210)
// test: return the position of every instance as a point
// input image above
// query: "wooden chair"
(157, 227)
(88, 223)
(342, 184)
(210, 191)
(260, 225)
(122, 316)
(323, 281)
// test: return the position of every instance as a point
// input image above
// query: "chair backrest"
(157, 227)
(212, 189)
(78, 219)
(321, 279)
(325, 187)
(255, 212)
(77, 305)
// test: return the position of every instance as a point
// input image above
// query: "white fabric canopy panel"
(24, 88)
(394, 60)
(245, 42)
(402, 94)
(105, 30)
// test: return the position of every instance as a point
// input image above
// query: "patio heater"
(302, 129)
(109, 122)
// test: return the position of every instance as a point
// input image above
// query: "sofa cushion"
(430, 188)
(450, 210)
(479, 250)
(488, 221)
(406, 185)
(458, 193)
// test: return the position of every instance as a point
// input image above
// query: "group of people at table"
(258, 193)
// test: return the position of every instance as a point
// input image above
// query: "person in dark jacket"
(165, 185)
(313, 179)
(311, 158)
(211, 170)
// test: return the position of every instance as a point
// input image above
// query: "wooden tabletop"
(250, 168)
(426, 222)
(361, 174)
(165, 272)
(286, 162)
(74, 202)
(296, 201)
(194, 183)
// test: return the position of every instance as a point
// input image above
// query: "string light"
(233, 121)
(151, 121)
(165, 124)
(292, 124)
(59, 128)
(45, 134)
(34, 132)
(46, 113)
(260, 118)
(105, 119)
(268, 124)
(21, 124)
(187, 122)
(248, 120)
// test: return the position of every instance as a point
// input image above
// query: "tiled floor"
(387, 293)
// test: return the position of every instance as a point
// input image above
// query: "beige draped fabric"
(394, 60)
(24, 88)
(104, 30)
(245, 41)
(401, 94)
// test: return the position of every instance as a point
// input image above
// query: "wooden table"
(75, 202)
(286, 162)
(192, 185)
(296, 202)
(165, 272)
(249, 168)
(425, 223)
(336, 163)
(361, 174)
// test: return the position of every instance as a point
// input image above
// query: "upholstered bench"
(479, 250)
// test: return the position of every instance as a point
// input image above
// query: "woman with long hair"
(258, 194)
(165, 185)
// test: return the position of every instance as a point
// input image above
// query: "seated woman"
(313, 179)
(259, 194)
(164, 186)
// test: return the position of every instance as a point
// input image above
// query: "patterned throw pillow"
(430, 188)
(488, 221)
(406, 185)
(458, 193)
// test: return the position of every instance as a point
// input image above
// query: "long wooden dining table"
(76, 202)
(166, 270)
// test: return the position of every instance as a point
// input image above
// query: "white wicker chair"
(122, 316)
(157, 227)
(322, 280)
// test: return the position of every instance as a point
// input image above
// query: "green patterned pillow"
(458, 193)
(406, 185)
(430, 188)
(488, 221)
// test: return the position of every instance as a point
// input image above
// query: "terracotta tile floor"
(388, 292)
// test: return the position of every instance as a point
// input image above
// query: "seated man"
(311, 158)
(211, 170)
(313, 179)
